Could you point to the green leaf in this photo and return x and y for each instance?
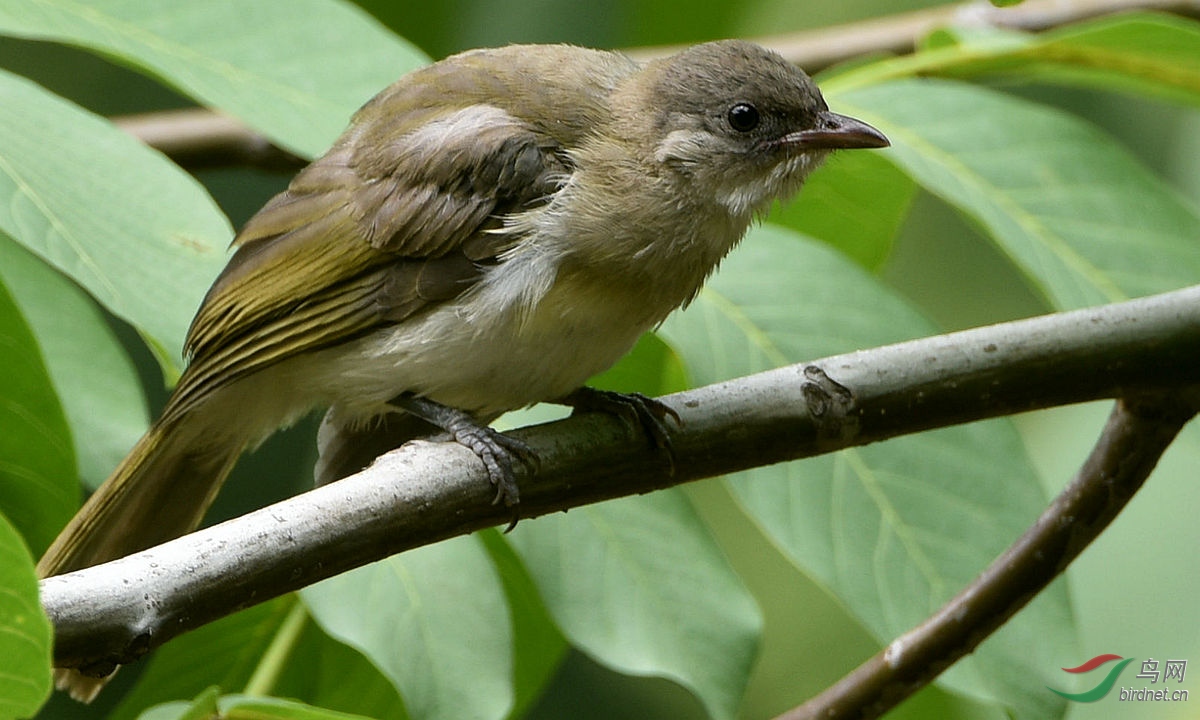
(294, 71)
(241, 707)
(251, 708)
(38, 489)
(856, 203)
(779, 299)
(641, 586)
(264, 648)
(893, 529)
(137, 232)
(96, 381)
(222, 654)
(1138, 53)
(25, 632)
(538, 646)
(326, 673)
(1084, 220)
(202, 707)
(435, 621)
(260, 708)
(650, 368)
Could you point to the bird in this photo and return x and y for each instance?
(489, 232)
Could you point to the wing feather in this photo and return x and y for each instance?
(368, 235)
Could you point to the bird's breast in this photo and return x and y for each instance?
(537, 325)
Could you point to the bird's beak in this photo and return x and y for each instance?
(836, 132)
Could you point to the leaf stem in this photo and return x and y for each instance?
(274, 659)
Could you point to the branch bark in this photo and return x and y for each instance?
(426, 492)
(199, 138)
(1138, 432)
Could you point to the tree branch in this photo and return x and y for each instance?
(198, 138)
(426, 492)
(1138, 432)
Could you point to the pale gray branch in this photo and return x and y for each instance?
(427, 492)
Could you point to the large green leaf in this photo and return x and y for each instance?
(435, 621)
(292, 70)
(641, 586)
(38, 489)
(538, 646)
(96, 381)
(856, 203)
(893, 529)
(1084, 220)
(137, 232)
(650, 368)
(25, 632)
(326, 673)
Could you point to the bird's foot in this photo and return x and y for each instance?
(499, 453)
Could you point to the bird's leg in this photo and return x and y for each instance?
(636, 408)
(498, 452)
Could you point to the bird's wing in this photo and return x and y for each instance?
(402, 213)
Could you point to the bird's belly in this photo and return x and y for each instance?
(489, 361)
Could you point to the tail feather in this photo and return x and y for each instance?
(83, 688)
(160, 491)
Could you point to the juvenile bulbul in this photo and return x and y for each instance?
(490, 231)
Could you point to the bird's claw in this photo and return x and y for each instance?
(500, 455)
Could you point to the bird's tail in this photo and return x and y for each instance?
(160, 491)
(347, 445)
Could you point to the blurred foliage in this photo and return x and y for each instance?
(1027, 174)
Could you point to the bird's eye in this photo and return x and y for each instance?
(743, 117)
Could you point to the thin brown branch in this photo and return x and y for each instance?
(1138, 432)
(426, 492)
(198, 138)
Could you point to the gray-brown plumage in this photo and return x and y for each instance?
(490, 232)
